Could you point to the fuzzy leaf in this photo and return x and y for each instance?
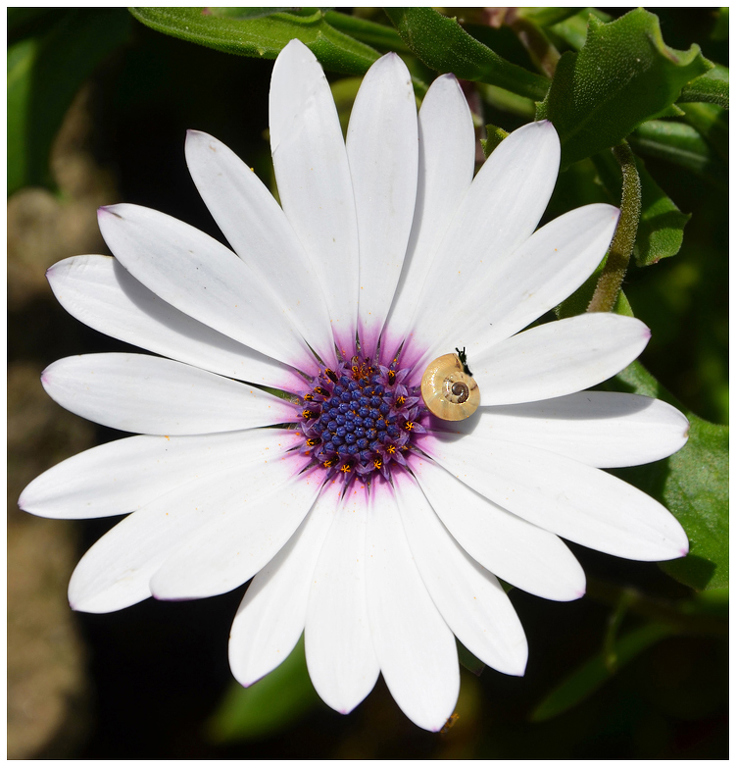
(681, 145)
(494, 137)
(712, 123)
(262, 36)
(623, 75)
(443, 45)
(369, 32)
(713, 87)
(660, 232)
(693, 484)
(546, 16)
(572, 31)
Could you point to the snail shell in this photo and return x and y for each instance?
(448, 391)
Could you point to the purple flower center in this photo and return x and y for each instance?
(360, 418)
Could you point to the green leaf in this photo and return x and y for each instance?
(573, 30)
(21, 58)
(268, 706)
(506, 101)
(44, 75)
(443, 45)
(494, 137)
(623, 75)
(263, 36)
(244, 13)
(369, 32)
(696, 491)
(546, 16)
(681, 145)
(721, 27)
(596, 671)
(382, 36)
(712, 123)
(713, 87)
(468, 660)
(693, 484)
(660, 234)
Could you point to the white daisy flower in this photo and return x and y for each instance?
(366, 522)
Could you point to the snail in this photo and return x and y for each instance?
(448, 388)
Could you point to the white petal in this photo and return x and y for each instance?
(446, 165)
(315, 188)
(271, 616)
(470, 599)
(517, 289)
(122, 476)
(498, 213)
(116, 571)
(201, 277)
(415, 648)
(249, 519)
(153, 395)
(522, 554)
(99, 292)
(578, 502)
(601, 429)
(258, 231)
(338, 645)
(382, 150)
(558, 358)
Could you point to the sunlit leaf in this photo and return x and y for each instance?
(623, 75)
(713, 87)
(547, 16)
(660, 232)
(369, 32)
(682, 145)
(573, 29)
(494, 137)
(382, 36)
(693, 484)
(712, 123)
(263, 36)
(244, 13)
(443, 45)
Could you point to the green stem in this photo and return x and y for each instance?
(623, 244)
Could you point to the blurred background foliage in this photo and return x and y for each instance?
(99, 101)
